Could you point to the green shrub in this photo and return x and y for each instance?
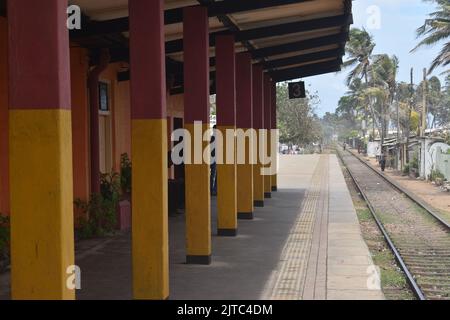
(436, 174)
(101, 209)
(4, 236)
(125, 174)
(415, 163)
(406, 169)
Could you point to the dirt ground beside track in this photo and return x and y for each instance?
(425, 190)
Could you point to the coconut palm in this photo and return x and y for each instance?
(359, 50)
(384, 77)
(436, 29)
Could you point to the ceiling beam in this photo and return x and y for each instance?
(98, 28)
(308, 74)
(270, 31)
(300, 45)
(304, 58)
(122, 53)
(306, 71)
(2, 8)
(236, 6)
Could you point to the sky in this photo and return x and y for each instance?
(393, 24)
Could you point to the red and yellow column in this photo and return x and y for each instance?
(149, 151)
(4, 122)
(42, 239)
(196, 109)
(258, 125)
(274, 138)
(246, 136)
(268, 137)
(226, 124)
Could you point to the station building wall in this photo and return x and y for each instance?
(119, 117)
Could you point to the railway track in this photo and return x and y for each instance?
(419, 239)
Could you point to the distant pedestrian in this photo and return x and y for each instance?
(383, 161)
(345, 146)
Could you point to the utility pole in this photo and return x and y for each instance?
(424, 103)
(398, 136)
(410, 107)
(424, 121)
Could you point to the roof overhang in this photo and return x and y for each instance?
(289, 38)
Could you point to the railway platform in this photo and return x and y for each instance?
(305, 243)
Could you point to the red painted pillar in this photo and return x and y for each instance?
(196, 109)
(149, 150)
(267, 127)
(226, 124)
(4, 121)
(274, 136)
(258, 125)
(246, 135)
(41, 177)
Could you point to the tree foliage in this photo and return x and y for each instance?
(297, 121)
(436, 29)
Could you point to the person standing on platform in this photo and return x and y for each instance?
(213, 178)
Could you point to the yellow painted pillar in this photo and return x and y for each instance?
(150, 243)
(268, 135)
(196, 109)
(245, 134)
(226, 185)
(258, 125)
(42, 239)
(226, 125)
(198, 204)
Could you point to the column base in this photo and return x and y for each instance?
(267, 195)
(227, 232)
(203, 260)
(274, 189)
(259, 203)
(245, 215)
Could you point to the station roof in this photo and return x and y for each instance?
(290, 38)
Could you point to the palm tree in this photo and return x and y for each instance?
(384, 77)
(437, 29)
(359, 50)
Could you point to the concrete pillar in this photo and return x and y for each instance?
(226, 124)
(196, 108)
(4, 122)
(149, 151)
(244, 122)
(42, 239)
(79, 66)
(267, 127)
(258, 125)
(274, 145)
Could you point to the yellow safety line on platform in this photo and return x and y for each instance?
(289, 282)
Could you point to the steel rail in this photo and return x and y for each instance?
(412, 197)
(412, 282)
